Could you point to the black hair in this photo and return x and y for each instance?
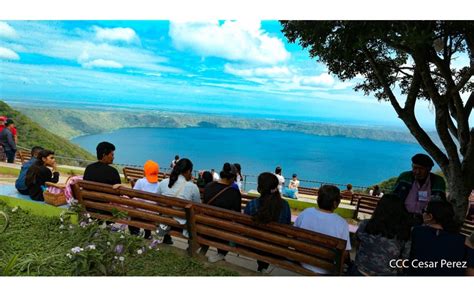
(270, 199)
(36, 150)
(104, 148)
(278, 170)
(176, 157)
(390, 219)
(327, 195)
(8, 122)
(207, 177)
(183, 165)
(226, 172)
(349, 186)
(443, 213)
(294, 176)
(34, 169)
(239, 170)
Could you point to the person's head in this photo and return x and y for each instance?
(183, 167)
(270, 199)
(295, 176)
(46, 157)
(35, 150)
(151, 170)
(421, 166)
(105, 152)
(278, 170)
(176, 157)
(349, 187)
(2, 120)
(9, 123)
(329, 197)
(390, 219)
(229, 172)
(440, 212)
(376, 190)
(207, 177)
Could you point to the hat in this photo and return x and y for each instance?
(3, 118)
(423, 160)
(151, 169)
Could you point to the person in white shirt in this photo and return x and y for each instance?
(179, 185)
(215, 175)
(281, 179)
(149, 184)
(324, 220)
(376, 191)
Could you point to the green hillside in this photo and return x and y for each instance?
(30, 134)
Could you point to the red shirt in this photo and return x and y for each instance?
(13, 131)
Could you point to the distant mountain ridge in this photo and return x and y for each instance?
(32, 134)
(70, 123)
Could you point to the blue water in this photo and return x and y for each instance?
(331, 159)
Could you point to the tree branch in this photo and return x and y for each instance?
(452, 128)
(469, 105)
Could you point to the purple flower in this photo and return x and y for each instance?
(119, 249)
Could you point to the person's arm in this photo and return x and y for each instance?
(287, 214)
(195, 194)
(11, 141)
(116, 177)
(237, 206)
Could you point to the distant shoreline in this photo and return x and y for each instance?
(72, 122)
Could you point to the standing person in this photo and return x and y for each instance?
(281, 179)
(419, 186)
(14, 133)
(39, 173)
(239, 178)
(269, 207)
(438, 241)
(215, 175)
(102, 171)
(20, 183)
(3, 156)
(324, 220)
(149, 183)
(382, 238)
(223, 195)
(180, 185)
(174, 161)
(7, 140)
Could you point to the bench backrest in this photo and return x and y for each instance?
(23, 156)
(468, 227)
(133, 174)
(366, 204)
(308, 191)
(278, 244)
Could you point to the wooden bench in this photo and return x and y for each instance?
(468, 227)
(308, 191)
(133, 174)
(281, 245)
(366, 204)
(22, 156)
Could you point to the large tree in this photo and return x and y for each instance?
(416, 58)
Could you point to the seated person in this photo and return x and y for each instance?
(204, 179)
(149, 183)
(376, 191)
(20, 183)
(324, 220)
(269, 207)
(101, 171)
(39, 173)
(292, 190)
(347, 194)
(224, 195)
(439, 240)
(383, 237)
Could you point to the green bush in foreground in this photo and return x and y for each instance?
(40, 246)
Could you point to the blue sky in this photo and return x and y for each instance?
(226, 67)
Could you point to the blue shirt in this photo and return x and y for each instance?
(285, 213)
(20, 183)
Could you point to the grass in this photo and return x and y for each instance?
(36, 246)
(9, 171)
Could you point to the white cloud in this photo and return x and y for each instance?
(100, 63)
(115, 34)
(8, 54)
(274, 71)
(231, 40)
(324, 79)
(7, 31)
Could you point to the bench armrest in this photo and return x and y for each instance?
(57, 185)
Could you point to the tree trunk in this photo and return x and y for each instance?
(459, 189)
